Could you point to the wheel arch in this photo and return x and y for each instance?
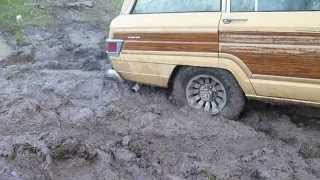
(228, 63)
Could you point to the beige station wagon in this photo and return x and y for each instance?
(215, 53)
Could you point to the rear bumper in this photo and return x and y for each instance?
(114, 75)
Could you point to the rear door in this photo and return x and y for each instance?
(161, 29)
(279, 41)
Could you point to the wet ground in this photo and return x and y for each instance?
(62, 119)
(72, 124)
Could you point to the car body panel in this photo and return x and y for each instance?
(159, 40)
(281, 49)
(162, 64)
(273, 55)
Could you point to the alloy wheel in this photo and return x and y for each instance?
(206, 93)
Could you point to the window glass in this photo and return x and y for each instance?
(176, 6)
(288, 5)
(275, 5)
(242, 5)
(314, 5)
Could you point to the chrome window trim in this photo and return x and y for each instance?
(223, 5)
(228, 6)
(126, 8)
(256, 5)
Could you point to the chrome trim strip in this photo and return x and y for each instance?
(228, 6)
(224, 6)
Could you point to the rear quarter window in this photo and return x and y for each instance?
(175, 6)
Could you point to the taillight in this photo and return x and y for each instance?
(114, 46)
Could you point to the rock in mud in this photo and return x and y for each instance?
(5, 49)
(80, 4)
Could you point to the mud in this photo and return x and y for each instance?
(73, 124)
(4, 48)
(61, 118)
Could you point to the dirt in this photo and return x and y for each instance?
(61, 118)
(73, 124)
(4, 48)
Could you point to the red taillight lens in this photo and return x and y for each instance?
(114, 46)
(111, 47)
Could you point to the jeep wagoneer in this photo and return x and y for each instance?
(215, 53)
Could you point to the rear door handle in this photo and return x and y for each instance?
(230, 20)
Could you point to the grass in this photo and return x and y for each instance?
(29, 12)
(103, 12)
(211, 177)
(117, 4)
(33, 15)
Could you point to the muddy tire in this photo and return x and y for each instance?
(212, 91)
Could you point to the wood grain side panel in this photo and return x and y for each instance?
(183, 42)
(284, 38)
(171, 46)
(177, 37)
(277, 54)
(282, 65)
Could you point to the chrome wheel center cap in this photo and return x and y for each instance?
(207, 93)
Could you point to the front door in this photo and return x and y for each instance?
(279, 41)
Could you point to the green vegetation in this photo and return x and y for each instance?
(117, 4)
(41, 13)
(28, 11)
(102, 13)
(212, 177)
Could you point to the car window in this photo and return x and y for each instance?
(176, 6)
(288, 5)
(242, 5)
(314, 5)
(274, 5)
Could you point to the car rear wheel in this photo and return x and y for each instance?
(212, 91)
(206, 93)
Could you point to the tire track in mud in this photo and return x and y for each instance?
(143, 135)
